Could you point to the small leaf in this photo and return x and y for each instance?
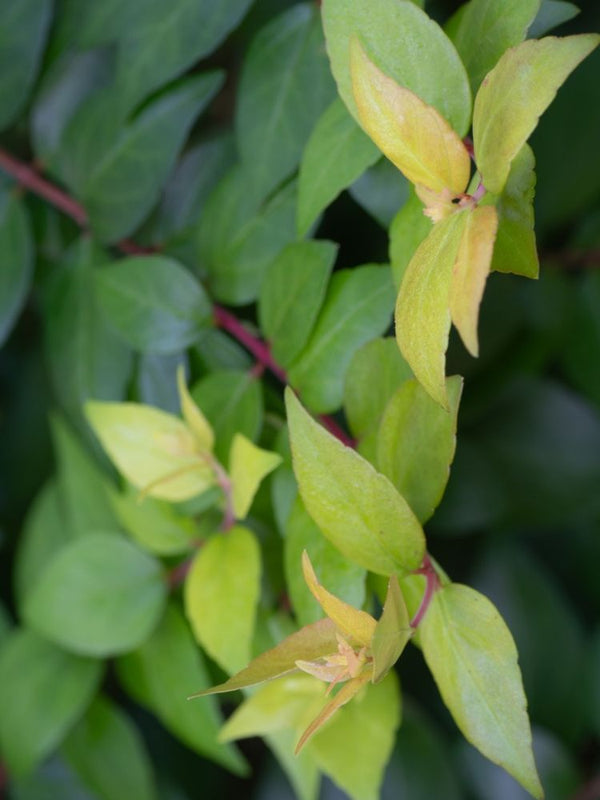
(221, 594)
(422, 309)
(16, 260)
(336, 154)
(357, 509)
(470, 272)
(154, 303)
(194, 418)
(310, 643)
(154, 450)
(248, 466)
(392, 632)
(353, 623)
(515, 94)
(99, 596)
(413, 135)
(473, 658)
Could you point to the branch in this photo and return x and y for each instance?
(432, 585)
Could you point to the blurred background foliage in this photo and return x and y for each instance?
(521, 517)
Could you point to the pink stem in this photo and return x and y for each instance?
(258, 348)
(431, 586)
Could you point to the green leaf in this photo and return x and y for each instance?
(392, 632)
(193, 416)
(25, 24)
(221, 594)
(309, 643)
(381, 191)
(377, 369)
(284, 87)
(162, 673)
(156, 379)
(43, 691)
(552, 13)
(395, 36)
(486, 29)
(412, 134)
(514, 96)
(357, 308)
(357, 762)
(473, 658)
(515, 249)
(336, 154)
(154, 450)
(100, 595)
(233, 403)
(5, 624)
(107, 752)
(154, 303)
(344, 579)
(422, 309)
(16, 259)
(248, 466)
(374, 526)
(292, 295)
(581, 344)
(409, 228)
(416, 440)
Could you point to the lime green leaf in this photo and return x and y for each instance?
(515, 94)
(515, 249)
(471, 268)
(422, 309)
(486, 29)
(336, 154)
(16, 266)
(396, 35)
(473, 658)
(292, 295)
(358, 509)
(552, 13)
(106, 750)
(392, 632)
(154, 450)
(357, 308)
(416, 440)
(162, 673)
(353, 623)
(413, 135)
(43, 691)
(355, 746)
(221, 593)
(248, 466)
(409, 228)
(194, 418)
(99, 596)
(310, 643)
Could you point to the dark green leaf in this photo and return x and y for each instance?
(408, 229)
(381, 191)
(552, 13)
(43, 691)
(16, 259)
(154, 303)
(581, 349)
(100, 595)
(157, 379)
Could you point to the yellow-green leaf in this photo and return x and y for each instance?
(422, 309)
(154, 450)
(473, 658)
(350, 621)
(413, 135)
(515, 94)
(311, 642)
(248, 465)
(195, 419)
(470, 272)
(392, 633)
(221, 595)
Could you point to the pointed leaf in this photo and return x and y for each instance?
(248, 466)
(311, 642)
(194, 418)
(552, 13)
(353, 623)
(473, 658)
(409, 228)
(515, 94)
(154, 450)
(358, 509)
(392, 632)
(471, 268)
(422, 309)
(413, 135)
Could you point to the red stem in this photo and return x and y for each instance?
(258, 348)
(431, 586)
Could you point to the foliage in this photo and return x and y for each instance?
(195, 211)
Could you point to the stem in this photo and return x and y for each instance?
(223, 481)
(258, 348)
(431, 586)
(179, 573)
(590, 791)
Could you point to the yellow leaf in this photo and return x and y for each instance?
(413, 135)
(195, 419)
(470, 272)
(248, 465)
(392, 632)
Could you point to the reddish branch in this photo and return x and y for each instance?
(431, 586)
